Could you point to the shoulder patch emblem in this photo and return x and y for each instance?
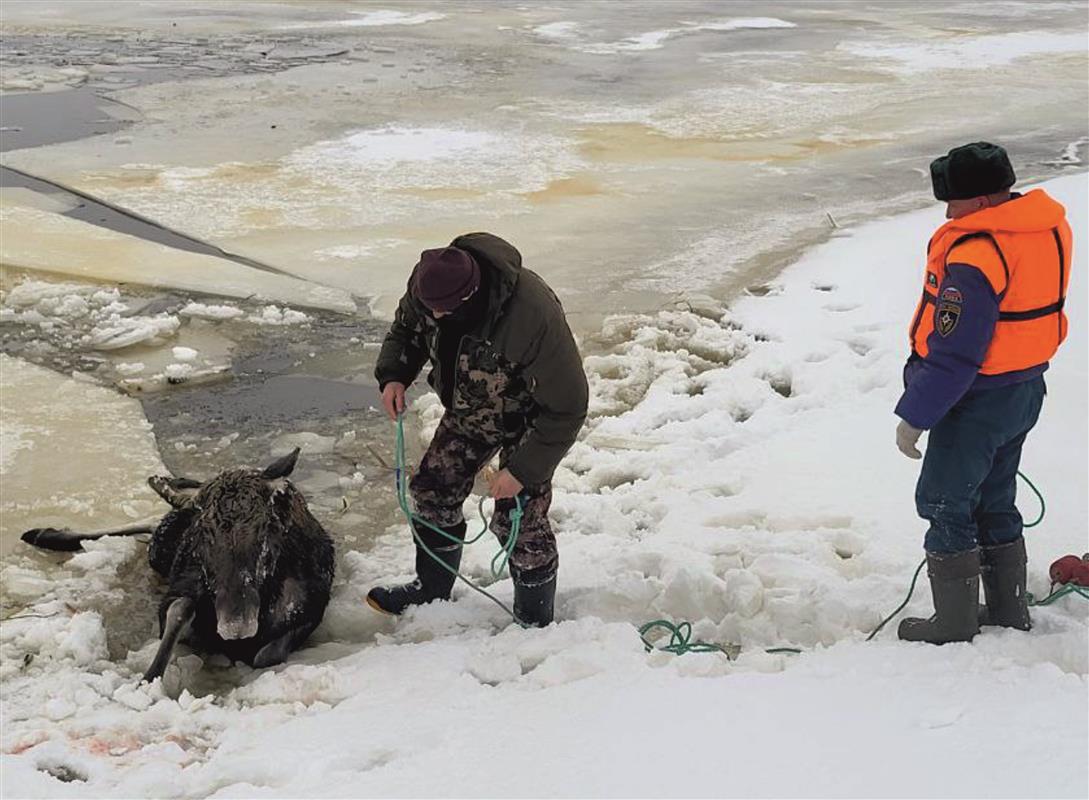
(946, 317)
(932, 280)
(951, 294)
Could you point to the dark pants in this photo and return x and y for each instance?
(968, 483)
(458, 451)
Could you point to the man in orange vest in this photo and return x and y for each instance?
(989, 321)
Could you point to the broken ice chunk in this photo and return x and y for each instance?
(274, 315)
(118, 332)
(177, 373)
(211, 311)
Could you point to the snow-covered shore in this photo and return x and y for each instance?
(738, 471)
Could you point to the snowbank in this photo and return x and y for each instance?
(738, 471)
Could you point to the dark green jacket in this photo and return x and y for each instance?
(519, 375)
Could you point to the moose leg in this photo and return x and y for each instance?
(68, 541)
(178, 619)
(292, 596)
(277, 651)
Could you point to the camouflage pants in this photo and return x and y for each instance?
(444, 481)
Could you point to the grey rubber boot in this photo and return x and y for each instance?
(433, 581)
(1002, 569)
(954, 584)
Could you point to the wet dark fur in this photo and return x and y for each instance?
(241, 513)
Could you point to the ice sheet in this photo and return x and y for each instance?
(372, 19)
(46, 242)
(977, 51)
(654, 40)
(73, 453)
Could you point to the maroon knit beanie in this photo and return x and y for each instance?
(445, 277)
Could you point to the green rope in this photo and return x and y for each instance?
(1039, 496)
(1064, 590)
(680, 639)
(899, 608)
(499, 562)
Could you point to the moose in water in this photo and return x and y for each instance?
(249, 568)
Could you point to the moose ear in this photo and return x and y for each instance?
(281, 467)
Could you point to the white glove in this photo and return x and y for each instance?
(906, 438)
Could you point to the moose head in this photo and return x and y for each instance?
(237, 524)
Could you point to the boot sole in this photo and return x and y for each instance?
(373, 604)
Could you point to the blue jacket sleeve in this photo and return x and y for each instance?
(964, 318)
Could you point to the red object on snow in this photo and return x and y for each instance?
(1071, 569)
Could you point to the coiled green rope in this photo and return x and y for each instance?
(680, 639)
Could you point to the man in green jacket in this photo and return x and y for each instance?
(510, 377)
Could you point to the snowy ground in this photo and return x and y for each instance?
(739, 472)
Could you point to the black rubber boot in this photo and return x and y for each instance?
(534, 602)
(1002, 569)
(433, 581)
(954, 584)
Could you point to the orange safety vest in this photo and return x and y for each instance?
(1023, 247)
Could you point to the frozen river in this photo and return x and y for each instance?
(639, 154)
(633, 151)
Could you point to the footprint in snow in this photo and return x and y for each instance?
(860, 346)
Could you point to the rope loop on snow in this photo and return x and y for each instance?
(680, 639)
